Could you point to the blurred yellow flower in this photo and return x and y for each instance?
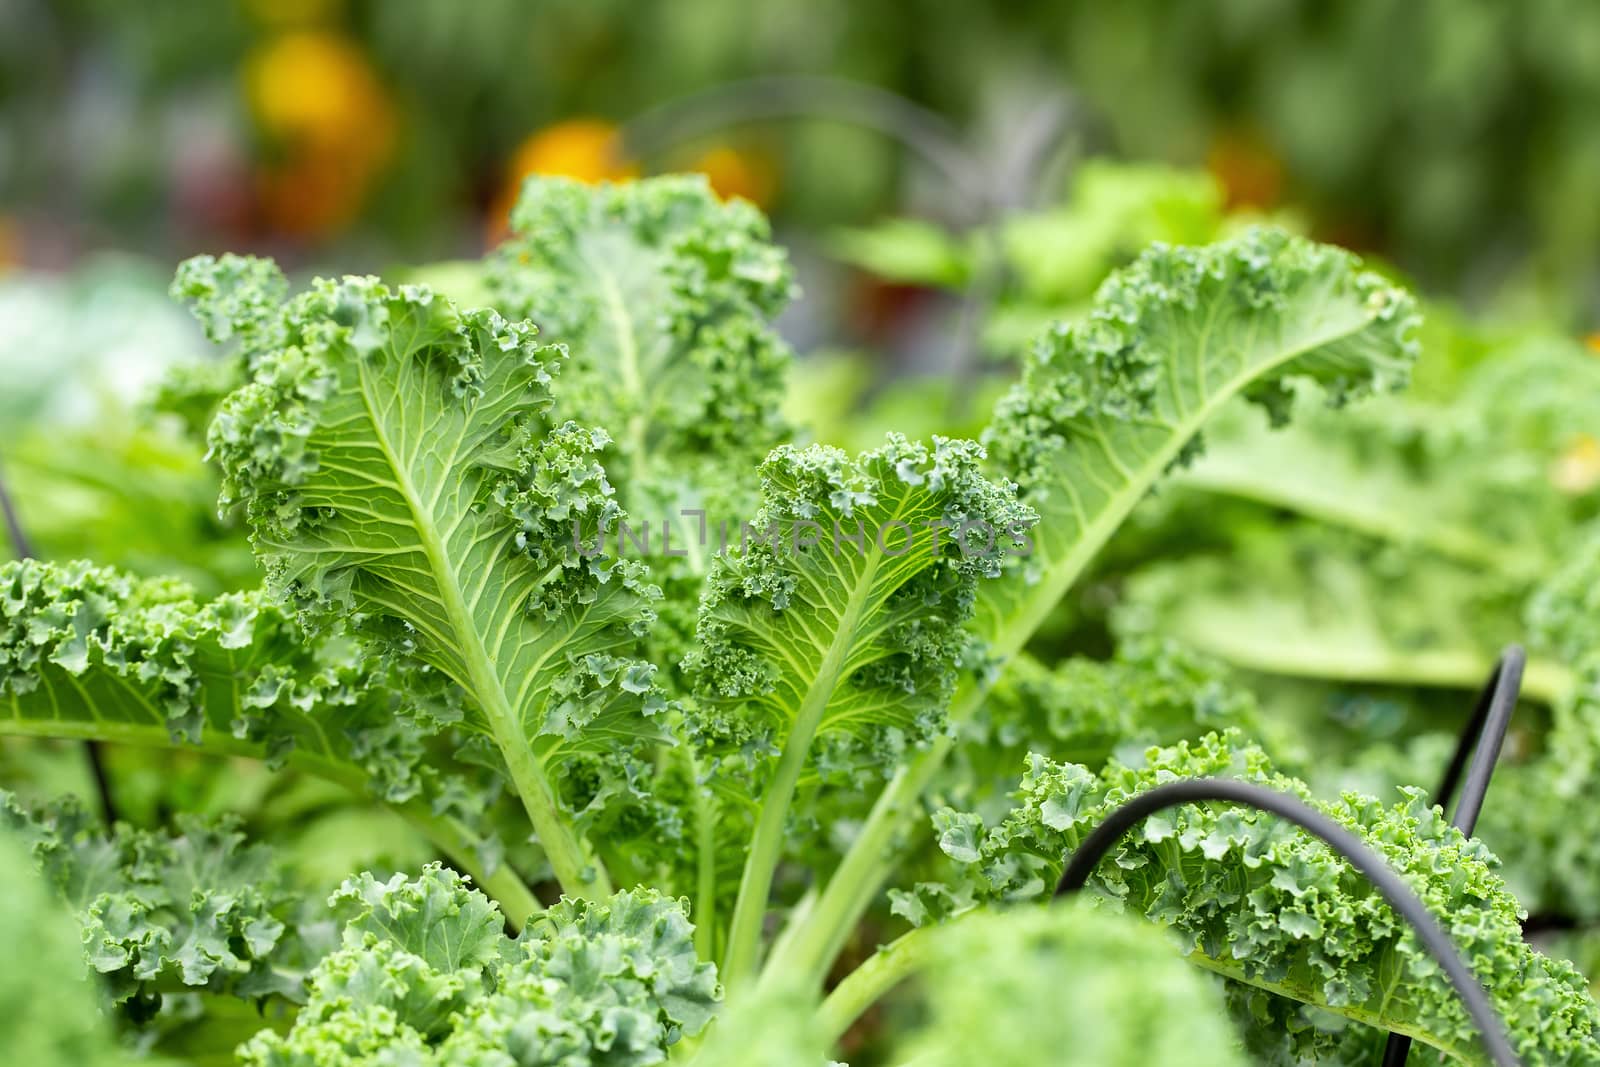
(745, 174)
(330, 125)
(1593, 341)
(1577, 471)
(314, 85)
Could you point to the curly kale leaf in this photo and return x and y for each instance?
(424, 974)
(1067, 985)
(1106, 405)
(840, 621)
(396, 464)
(833, 636)
(1152, 692)
(236, 300)
(664, 295)
(52, 1014)
(94, 653)
(165, 912)
(1257, 900)
(1427, 526)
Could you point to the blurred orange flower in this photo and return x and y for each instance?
(319, 103)
(587, 149)
(738, 173)
(1593, 341)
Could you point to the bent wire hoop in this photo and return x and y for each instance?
(1481, 739)
(925, 133)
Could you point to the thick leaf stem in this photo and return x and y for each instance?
(749, 913)
(868, 983)
(755, 886)
(705, 902)
(579, 872)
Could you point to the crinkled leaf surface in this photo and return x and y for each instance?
(194, 908)
(396, 463)
(425, 977)
(1067, 985)
(91, 652)
(1257, 900)
(1106, 405)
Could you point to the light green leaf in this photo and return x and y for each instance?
(1105, 407)
(425, 978)
(1108, 405)
(1259, 901)
(808, 638)
(195, 908)
(1066, 985)
(89, 652)
(663, 294)
(47, 999)
(395, 463)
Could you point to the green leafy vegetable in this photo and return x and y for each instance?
(199, 908)
(809, 639)
(663, 295)
(1261, 902)
(553, 581)
(424, 972)
(51, 1015)
(1105, 407)
(394, 460)
(1002, 988)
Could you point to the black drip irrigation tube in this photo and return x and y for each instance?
(1481, 741)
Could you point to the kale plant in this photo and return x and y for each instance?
(692, 712)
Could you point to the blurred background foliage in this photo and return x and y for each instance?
(1457, 137)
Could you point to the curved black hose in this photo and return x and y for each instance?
(1481, 739)
(924, 132)
(1399, 895)
(810, 96)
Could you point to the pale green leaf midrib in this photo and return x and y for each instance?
(481, 676)
(1404, 1027)
(1060, 575)
(829, 669)
(574, 870)
(627, 339)
(766, 846)
(1383, 514)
